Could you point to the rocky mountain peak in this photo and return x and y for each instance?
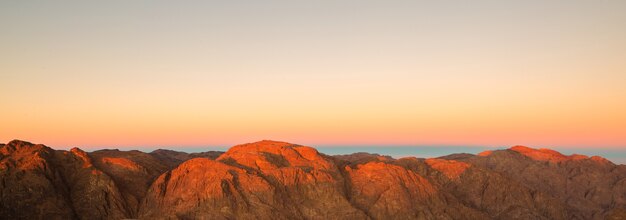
(280, 180)
(544, 154)
(267, 155)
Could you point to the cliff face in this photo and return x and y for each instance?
(590, 187)
(267, 180)
(277, 180)
(133, 171)
(37, 182)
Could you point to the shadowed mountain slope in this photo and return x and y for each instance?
(590, 187)
(278, 180)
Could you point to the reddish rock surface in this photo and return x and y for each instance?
(174, 158)
(37, 182)
(278, 180)
(588, 187)
(133, 171)
(205, 189)
(387, 191)
(450, 168)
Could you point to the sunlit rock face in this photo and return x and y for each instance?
(132, 171)
(38, 182)
(278, 180)
(589, 187)
(172, 158)
(265, 180)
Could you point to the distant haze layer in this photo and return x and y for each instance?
(159, 73)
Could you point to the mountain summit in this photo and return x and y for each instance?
(279, 180)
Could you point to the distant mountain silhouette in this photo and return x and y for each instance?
(278, 180)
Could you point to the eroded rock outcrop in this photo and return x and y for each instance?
(133, 171)
(263, 180)
(278, 180)
(388, 191)
(37, 182)
(174, 158)
(205, 189)
(588, 187)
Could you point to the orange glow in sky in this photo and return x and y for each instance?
(493, 73)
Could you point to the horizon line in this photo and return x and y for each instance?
(169, 146)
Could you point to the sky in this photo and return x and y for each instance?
(102, 74)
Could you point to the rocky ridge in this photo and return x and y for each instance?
(278, 180)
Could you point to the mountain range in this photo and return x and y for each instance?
(279, 180)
